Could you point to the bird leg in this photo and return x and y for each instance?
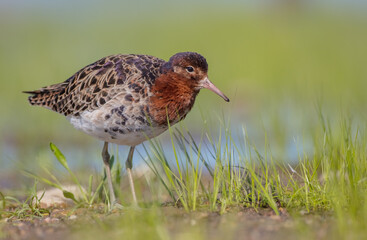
(129, 166)
(106, 161)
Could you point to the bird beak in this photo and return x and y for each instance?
(206, 83)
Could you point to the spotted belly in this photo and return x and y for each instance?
(110, 126)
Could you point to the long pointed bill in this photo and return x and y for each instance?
(209, 85)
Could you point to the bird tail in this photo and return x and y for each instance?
(40, 98)
(47, 96)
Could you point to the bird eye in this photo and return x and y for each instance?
(189, 69)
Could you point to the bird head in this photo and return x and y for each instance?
(193, 68)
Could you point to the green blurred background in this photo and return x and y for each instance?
(276, 60)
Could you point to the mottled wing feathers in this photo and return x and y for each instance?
(99, 82)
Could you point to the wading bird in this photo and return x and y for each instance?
(127, 99)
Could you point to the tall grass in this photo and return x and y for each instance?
(233, 176)
(87, 196)
(331, 179)
(216, 172)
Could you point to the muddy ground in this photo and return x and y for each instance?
(245, 223)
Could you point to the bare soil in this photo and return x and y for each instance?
(238, 223)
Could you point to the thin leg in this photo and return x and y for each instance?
(129, 166)
(106, 161)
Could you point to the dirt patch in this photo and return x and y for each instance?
(236, 223)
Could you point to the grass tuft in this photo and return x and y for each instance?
(28, 209)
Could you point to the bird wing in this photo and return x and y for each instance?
(94, 85)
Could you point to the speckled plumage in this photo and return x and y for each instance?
(94, 85)
(106, 99)
(124, 99)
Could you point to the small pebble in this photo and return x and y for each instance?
(275, 217)
(303, 212)
(47, 220)
(51, 220)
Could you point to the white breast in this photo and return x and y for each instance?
(94, 124)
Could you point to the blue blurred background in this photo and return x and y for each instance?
(278, 61)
